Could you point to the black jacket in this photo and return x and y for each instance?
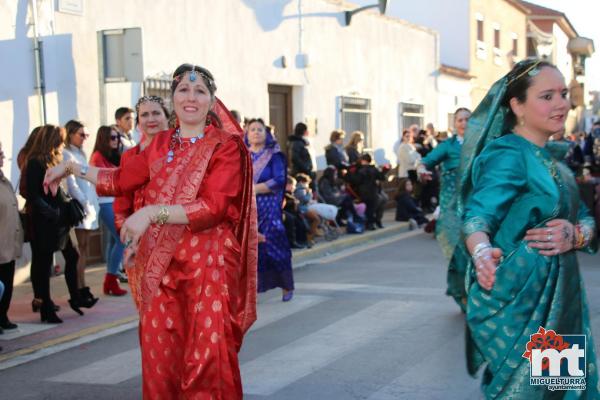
(46, 212)
(353, 155)
(330, 193)
(368, 179)
(299, 155)
(333, 157)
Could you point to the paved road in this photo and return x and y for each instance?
(373, 324)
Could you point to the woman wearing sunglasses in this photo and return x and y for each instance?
(107, 155)
(85, 193)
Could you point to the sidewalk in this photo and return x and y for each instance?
(111, 312)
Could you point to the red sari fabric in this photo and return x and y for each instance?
(123, 207)
(129, 202)
(196, 283)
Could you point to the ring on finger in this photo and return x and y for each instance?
(128, 242)
(550, 237)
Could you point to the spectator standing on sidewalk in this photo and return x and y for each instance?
(367, 183)
(355, 146)
(270, 169)
(334, 152)
(299, 152)
(85, 193)
(107, 155)
(408, 157)
(124, 126)
(11, 233)
(50, 224)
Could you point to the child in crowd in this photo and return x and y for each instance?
(406, 206)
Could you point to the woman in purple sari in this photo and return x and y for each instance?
(270, 168)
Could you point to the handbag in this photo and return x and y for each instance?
(74, 212)
(24, 217)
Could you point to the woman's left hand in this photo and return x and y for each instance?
(134, 227)
(556, 238)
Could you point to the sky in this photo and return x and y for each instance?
(582, 14)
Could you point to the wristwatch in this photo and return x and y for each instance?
(84, 169)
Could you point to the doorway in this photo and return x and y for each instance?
(280, 113)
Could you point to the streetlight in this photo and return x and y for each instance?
(381, 4)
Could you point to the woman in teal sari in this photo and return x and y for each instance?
(523, 221)
(447, 154)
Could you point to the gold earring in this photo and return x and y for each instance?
(521, 121)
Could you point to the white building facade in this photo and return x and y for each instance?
(287, 61)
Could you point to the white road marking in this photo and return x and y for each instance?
(275, 370)
(108, 371)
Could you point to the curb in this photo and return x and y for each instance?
(71, 337)
(302, 257)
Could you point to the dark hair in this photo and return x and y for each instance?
(102, 145)
(208, 79)
(236, 114)
(461, 109)
(329, 174)
(260, 120)
(121, 112)
(366, 157)
(150, 99)
(23, 155)
(519, 80)
(72, 127)
(45, 147)
(302, 178)
(402, 186)
(299, 129)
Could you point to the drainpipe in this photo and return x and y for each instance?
(40, 85)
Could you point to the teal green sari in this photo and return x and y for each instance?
(448, 223)
(506, 186)
(517, 186)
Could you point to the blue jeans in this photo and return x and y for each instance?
(113, 252)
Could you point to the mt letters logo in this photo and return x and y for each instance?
(556, 361)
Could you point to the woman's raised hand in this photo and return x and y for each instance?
(556, 238)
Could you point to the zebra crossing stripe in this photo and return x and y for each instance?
(266, 375)
(108, 371)
(275, 310)
(450, 382)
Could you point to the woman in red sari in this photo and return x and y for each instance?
(194, 241)
(152, 117)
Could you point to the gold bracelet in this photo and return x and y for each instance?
(69, 169)
(162, 216)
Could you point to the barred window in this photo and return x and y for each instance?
(411, 113)
(356, 116)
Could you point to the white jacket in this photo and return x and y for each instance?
(408, 159)
(82, 190)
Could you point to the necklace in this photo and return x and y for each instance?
(177, 140)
